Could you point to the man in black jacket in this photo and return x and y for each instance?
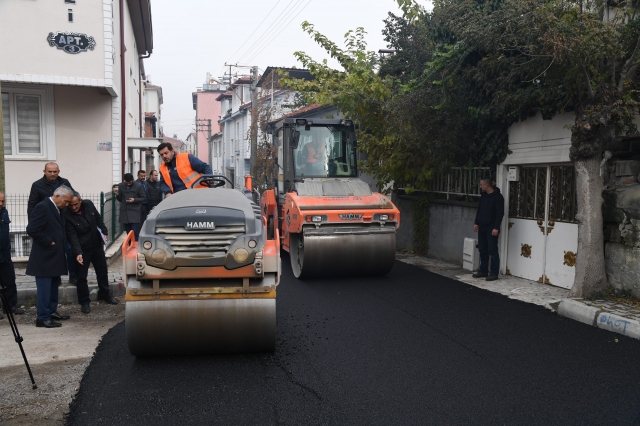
(41, 190)
(47, 260)
(85, 230)
(153, 189)
(7, 271)
(144, 211)
(487, 225)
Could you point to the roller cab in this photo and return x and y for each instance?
(330, 221)
(202, 277)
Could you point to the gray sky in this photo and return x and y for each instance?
(193, 37)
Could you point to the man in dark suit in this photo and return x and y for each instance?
(47, 261)
(145, 205)
(154, 192)
(86, 232)
(131, 196)
(41, 190)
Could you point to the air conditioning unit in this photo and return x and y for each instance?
(470, 255)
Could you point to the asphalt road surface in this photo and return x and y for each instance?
(409, 348)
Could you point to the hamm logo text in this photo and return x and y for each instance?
(200, 225)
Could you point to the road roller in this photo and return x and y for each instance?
(202, 276)
(330, 221)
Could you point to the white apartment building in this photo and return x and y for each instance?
(70, 76)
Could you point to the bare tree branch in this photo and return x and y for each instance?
(624, 74)
(588, 81)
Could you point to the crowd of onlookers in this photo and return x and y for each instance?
(68, 236)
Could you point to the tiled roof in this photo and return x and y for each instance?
(300, 111)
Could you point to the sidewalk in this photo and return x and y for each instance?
(617, 317)
(67, 292)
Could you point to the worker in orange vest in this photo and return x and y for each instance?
(314, 155)
(179, 170)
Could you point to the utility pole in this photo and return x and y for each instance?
(203, 125)
(2, 188)
(254, 118)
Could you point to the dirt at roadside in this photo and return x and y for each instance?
(57, 379)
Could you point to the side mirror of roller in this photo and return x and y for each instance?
(295, 138)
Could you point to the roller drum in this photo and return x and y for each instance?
(190, 327)
(342, 254)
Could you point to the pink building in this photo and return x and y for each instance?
(207, 115)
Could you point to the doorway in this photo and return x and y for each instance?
(542, 228)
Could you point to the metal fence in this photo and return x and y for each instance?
(459, 181)
(17, 206)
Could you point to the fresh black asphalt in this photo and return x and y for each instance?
(411, 348)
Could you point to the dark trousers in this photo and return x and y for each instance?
(488, 247)
(8, 281)
(71, 261)
(99, 262)
(144, 212)
(135, 227)
(47, 296)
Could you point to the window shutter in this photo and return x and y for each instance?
(28, 119)
(6, 124)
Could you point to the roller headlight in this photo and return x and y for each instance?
(384, 217)
(159, 256)
(240, 255)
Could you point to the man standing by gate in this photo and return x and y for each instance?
(487, 225)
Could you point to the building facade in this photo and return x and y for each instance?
(71, 92)
(208, 114)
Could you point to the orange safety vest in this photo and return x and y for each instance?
(185, 172)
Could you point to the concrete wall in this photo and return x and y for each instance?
(450, 223)
(82, 118)
(24, 30)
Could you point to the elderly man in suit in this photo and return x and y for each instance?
(47, 259)
(131, 196)
(86, 232)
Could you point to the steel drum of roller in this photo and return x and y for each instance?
(191, 327)
(342, 253)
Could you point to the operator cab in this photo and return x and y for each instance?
(314, 149)
(324, 151)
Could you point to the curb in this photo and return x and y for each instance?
(68, 294)
(586, 314)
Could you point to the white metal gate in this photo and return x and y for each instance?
(543, 233)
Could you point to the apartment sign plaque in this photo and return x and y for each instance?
(71, 42)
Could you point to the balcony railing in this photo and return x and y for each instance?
(458, 181)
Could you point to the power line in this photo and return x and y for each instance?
(280, 32)
(254, 31)
(268, 28)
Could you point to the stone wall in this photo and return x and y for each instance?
(621, 214)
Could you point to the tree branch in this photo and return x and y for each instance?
(624, 74)
(588, 81)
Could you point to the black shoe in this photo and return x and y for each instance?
(17, 311)
(57, 316)
(109, 299)
(479, 274)
(85, 308)
(492, 277)
(48, 324)
(73, 280)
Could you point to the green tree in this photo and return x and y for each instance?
(555, 56)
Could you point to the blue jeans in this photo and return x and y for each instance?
(47, 296)
(488, 247)
(135, 227)
(71, 261)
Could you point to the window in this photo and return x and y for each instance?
(26, 113)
